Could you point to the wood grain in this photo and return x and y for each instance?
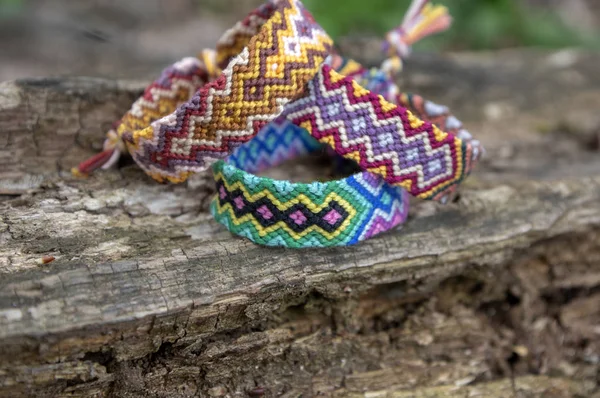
(147, 296)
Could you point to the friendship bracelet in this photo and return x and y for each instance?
(281, 213)
(253, 206)
(169, 91)
(432, 168)
(237, 210)
(269, 72)
(266, 150)
(175, 85)
(276, 143)
(181, 161)
(383, 138)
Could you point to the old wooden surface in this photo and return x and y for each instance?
(495, 294)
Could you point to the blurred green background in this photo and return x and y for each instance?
(478, 24)
(137, 38)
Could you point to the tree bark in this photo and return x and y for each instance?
(497, 294)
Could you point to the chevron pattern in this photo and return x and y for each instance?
(383, 138)
(251, 92)
(233, 41)
(274, 144)
(175, 86)
(440, 116)
(280, 213)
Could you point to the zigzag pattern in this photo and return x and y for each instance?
(381, 137)
(176, 85)
(251, 92)
(235, 39)
(274, 144)
(434, 113)
(280, 213)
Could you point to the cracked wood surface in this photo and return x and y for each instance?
(144, 280)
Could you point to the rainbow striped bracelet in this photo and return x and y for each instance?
(280, 213)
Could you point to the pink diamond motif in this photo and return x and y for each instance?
(265, 212)
(222, 193)
(239, 202)
(378, 228)
(332, 217)
(298, 217)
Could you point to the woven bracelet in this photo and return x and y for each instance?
(280, 213)
(175, 85)
(269, 72)
(262, 209)
(259, 209)
(382, 137)
(167, 147)
(361, 115)
(279, 49)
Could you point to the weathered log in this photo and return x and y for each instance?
(495, 294)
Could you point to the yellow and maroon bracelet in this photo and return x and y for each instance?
(271, 70)
(280, 46)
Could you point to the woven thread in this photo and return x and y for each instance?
(252, 90)
(281, 213)
(383, 138)
(276, 143)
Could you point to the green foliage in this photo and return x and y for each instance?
(9, 8)
(478, 24)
